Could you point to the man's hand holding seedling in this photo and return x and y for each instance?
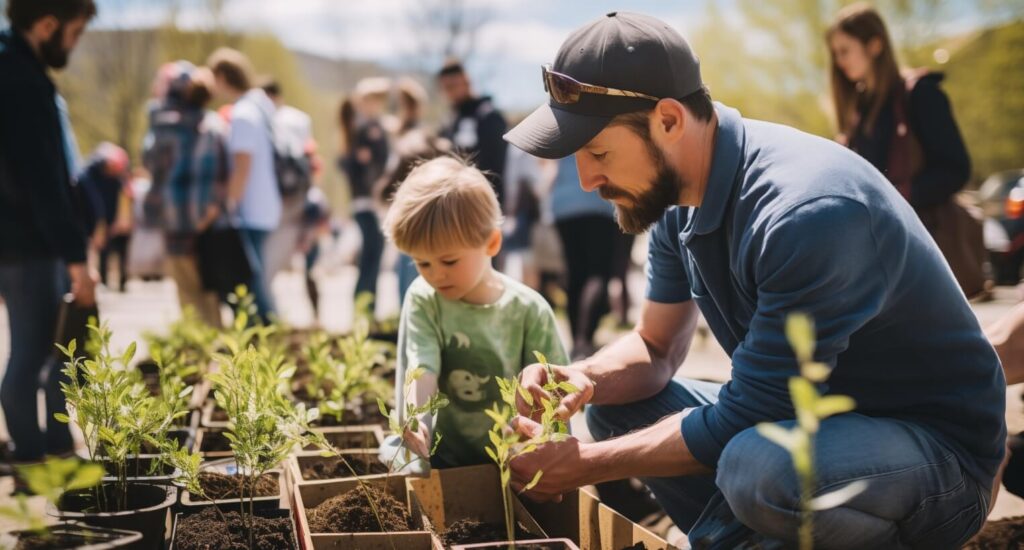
(572, 387)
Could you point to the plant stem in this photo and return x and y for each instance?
(806, 532)
(506, 498)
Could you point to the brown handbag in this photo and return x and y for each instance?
(956, 225)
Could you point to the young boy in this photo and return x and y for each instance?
(463, 322)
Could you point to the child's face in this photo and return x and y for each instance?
(459, 273)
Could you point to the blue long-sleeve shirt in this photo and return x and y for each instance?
(791, 222)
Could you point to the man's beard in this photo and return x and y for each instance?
(647, 208)
(52, 51)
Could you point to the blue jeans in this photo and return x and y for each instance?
(373, 249)
(32, 291)
(917, 495)
(407, 273)
(254, 241)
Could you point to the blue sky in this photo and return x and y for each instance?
(516, 39)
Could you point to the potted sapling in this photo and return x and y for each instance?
(116, 415)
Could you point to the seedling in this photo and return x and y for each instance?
(113, 409)
(811, 408)
(401, 423)
(337, 384)
(263, 423)
(506, 442)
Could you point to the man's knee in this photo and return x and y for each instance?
(758, 481)
(600, 421)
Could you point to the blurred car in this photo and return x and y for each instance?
(1001, 197)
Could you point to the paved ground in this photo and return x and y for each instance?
(151, 306)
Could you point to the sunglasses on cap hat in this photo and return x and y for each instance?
(567, 90)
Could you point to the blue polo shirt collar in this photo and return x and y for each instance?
(725, 162)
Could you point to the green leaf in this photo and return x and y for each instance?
(88, 475)
(495, 439)
(533, 482)
(525, 395)
(838, 497)
(540, 357)
(128, 354)
(61, 417)
(414, 375)
(490, 453)
(803, 393)
(800, 333)
(778, 435)
(567, 387)
(833, 404)
(815, 372)
(382, 406)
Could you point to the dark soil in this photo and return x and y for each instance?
(470, 531)
(334, 468)
(1005, 534)
(219, 486)
(637, 546)
(214, 441)
(351, 513)
(205, 531)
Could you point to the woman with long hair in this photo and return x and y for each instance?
(902, 123)
(363, 158)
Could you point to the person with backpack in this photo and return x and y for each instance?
(902, 123)
(185, 153)
(253, 195)
(293, 142)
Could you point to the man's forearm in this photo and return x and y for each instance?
(625, 371)
(656, 451)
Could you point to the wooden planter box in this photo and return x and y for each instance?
(566, 544)
(191, 505)
(301, 460)
(206, 434)
(311, 493)
(469, 492)
(352, 437)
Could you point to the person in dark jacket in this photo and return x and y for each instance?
(41, 240)
(476, 127)
(363, 159)
(105, 178)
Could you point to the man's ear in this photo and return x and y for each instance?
(668, 122)
(494, 243)
(44, 27)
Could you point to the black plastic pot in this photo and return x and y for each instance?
(270, 513)
(163, 475)
(146, 511)
(191, 504)
(74, 536)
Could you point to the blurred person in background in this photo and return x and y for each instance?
(293, 138)
(253, 196)
(363, 159)
(523, 181)
(413, 144)
(903, 124)
(42, 242)
(476, 125)
(185, 151)
(105, 178)
(586, 227)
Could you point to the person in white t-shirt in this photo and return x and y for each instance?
(253, 195)
(293, 135)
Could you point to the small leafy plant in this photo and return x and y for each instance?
(264, 425)
(188, 344)
(811, 408)
(50, 480)
(340, 383)
(408, 421)
(115, 412)
(506, 442)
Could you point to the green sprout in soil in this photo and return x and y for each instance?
(506, 442)
(811, 408)
(404, 423)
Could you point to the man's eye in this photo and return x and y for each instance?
(598, 156)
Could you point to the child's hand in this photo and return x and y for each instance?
(418, 441)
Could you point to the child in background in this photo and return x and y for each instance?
(463, 322)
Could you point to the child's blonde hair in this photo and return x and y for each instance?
(443, 203)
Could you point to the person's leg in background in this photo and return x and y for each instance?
(369, 257)
(622, 252)
(104, 254)
(600, 231)
(311, 288)
(572, 238)
(32, 291)
(119, 244)
(184, 270)
(254, 240)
